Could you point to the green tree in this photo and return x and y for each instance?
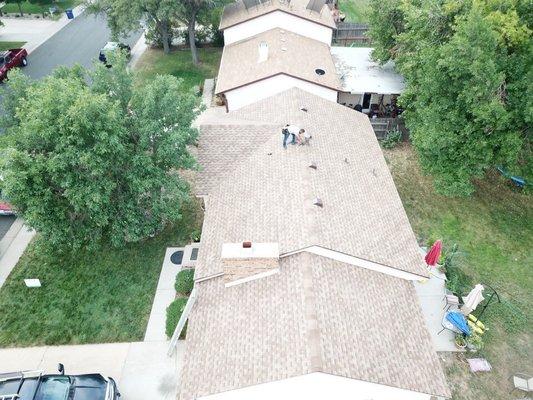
(99, 161)
(467, 66)
(124, 16)
(188, 13)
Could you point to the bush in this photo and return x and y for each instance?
(185, 281)
(174, 311)
(392, 139)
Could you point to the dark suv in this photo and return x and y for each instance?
(34, 385)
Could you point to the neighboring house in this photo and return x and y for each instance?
(271, 62)
(322, 305)
(244, 19)
(365, 82)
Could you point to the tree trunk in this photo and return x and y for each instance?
(163, 30)
(192, 39)
(20, 9)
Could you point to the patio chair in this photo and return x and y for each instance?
(522, 382)
(451, 300)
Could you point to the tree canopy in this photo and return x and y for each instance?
(98, 161)
(162, 15)
(468, 68)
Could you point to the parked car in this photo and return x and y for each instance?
(34, 385)
(111, 47)
(5, 208)
(11, 59)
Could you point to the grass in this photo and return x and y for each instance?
(29, 8)
(494, 232)
(94, 297)
(179, 64)
(355, 10)
(11, 45)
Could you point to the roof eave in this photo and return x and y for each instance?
(222, 27)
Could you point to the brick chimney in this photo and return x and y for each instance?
(247, 261)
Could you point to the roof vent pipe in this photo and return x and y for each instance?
(318, 202)
(263, 52)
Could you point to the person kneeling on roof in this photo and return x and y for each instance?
(292, 130)
(303, 137)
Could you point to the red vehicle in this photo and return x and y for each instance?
(10, 59)
(5, 208)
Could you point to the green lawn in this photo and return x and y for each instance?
(11, 45)
(29, 8)
(179, 64)
(355, 10)
(93, 297)
(494, 231)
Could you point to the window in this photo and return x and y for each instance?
(54, 388)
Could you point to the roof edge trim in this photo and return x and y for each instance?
(337, 89)
(358, 262)
(221, 28)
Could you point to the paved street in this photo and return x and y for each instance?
(5, 224)
(78, 42)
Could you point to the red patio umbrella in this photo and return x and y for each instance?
(433, 254)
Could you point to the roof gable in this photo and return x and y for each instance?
(316, 315)
(288, 53)
(237, 13)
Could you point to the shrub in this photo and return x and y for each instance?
(185, 281)
(174, 311)
(392, 139)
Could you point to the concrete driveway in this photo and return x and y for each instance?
(142, 369)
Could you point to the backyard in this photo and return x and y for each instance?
(355, 10)
(494, 231)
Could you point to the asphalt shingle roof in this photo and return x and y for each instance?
(315, 315)
(236, 13)
(267, 192)
(288, 53)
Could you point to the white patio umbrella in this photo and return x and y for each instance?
(472, 300)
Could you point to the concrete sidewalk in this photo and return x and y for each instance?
(13, 246)
(34, 31)
(142, 369)
(431, 297)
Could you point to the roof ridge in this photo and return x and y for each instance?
(311, 318)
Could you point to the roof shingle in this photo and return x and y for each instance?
(288, 53)
(267, 192)
(368, 326)
(236, 13)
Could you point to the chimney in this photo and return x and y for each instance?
(247, 261)
(263, 52)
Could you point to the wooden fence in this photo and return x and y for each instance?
(383, 125)
(349, 33)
